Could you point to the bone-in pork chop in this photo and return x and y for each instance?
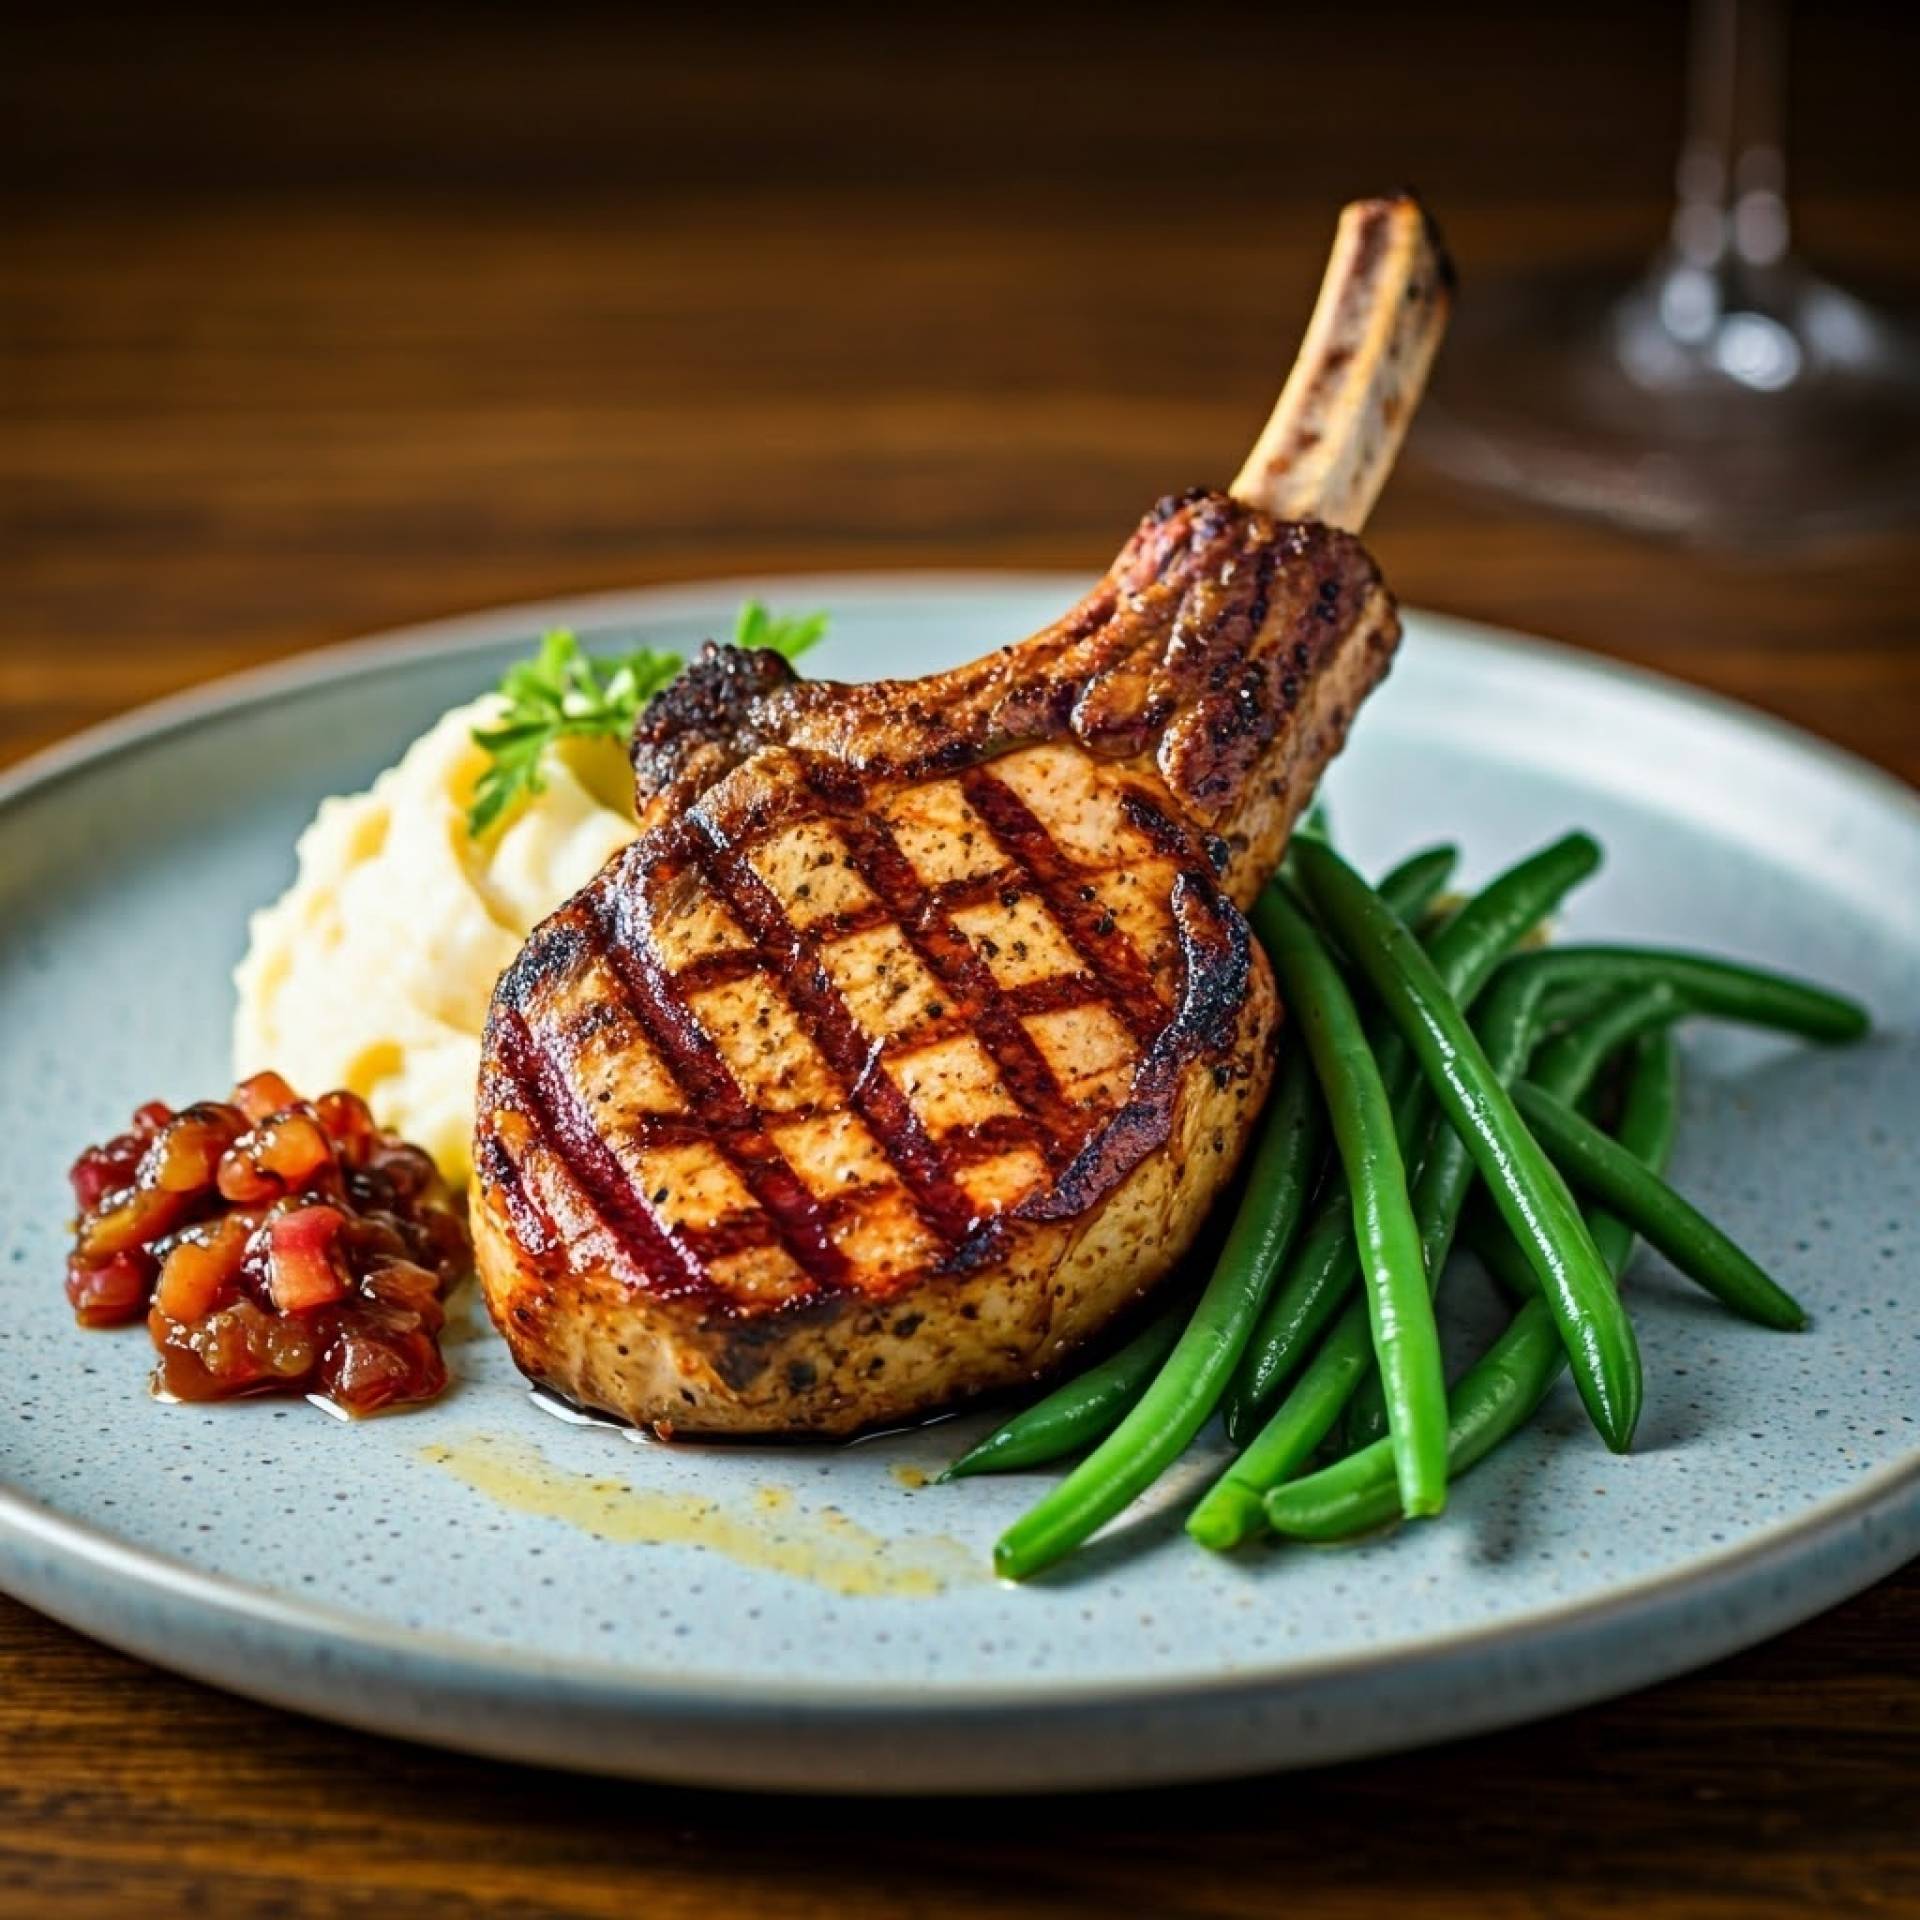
(916, 1035)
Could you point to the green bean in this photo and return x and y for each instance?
(1325, 1264)
(1446, 1177)
(1649, 1112)
(1706, 985)
(1571, 1003)
(1188, 1386)
(1645, 1201)
(1466, 950)
(1405, 1340)
(1531, 1195)
(1658, 985)
(1234, 1505)
(1506, 1030)
(1081, 1410)
(1508, 908)
(1570, 1063)
(1409, 888)
(1569, 980)
(1323, 1270)
(1497, 1250)
(1233, 1509)
(1649, 1115)
(1492, 1398)
(1500, 1392)
(1567, 1066)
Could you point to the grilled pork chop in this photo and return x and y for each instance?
(918, 1032)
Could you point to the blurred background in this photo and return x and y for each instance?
(314, 321)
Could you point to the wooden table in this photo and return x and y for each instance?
(309, 327)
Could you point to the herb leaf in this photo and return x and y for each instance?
(562, 692)
(788, 635)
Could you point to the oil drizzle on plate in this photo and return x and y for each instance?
(769, 1530)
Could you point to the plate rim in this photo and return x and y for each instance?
(1885, 1491)
(84, 1548)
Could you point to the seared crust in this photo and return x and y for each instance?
(703, 724)
(1224, 655)
(919, 1031)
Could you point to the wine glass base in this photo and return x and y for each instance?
(1573, 392)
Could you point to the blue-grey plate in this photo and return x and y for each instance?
(480, 1574)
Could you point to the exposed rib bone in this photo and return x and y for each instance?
(1327, 449)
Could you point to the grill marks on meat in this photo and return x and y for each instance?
(904, 985)
(937, 1059)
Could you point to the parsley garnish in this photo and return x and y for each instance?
(562, 691)
(788, 635)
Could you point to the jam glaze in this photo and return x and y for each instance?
(273, 1245)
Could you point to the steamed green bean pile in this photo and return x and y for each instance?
(1444, 1076)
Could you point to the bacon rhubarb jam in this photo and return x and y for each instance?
(274, 1245)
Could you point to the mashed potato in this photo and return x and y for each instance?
(374, 970)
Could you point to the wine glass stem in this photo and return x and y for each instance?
(1732, 177)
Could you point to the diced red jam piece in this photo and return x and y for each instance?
(110, 1292)
(349, 1125)
(100, 1171)
(288, 1152)
(202, 1269)
(243, 1181)
(239, 1349)
(275, 1246)
(293, 1148)
(301, 1272)
(134, 1217)
(185, 1154)
(376, 1235)
(408, 1169)
(262, 1095)
(377, 1362)
(399, 1283)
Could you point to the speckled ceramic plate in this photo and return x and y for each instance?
(817, 1617)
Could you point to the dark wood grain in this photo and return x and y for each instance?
(1782, 1782)
(313, 324)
